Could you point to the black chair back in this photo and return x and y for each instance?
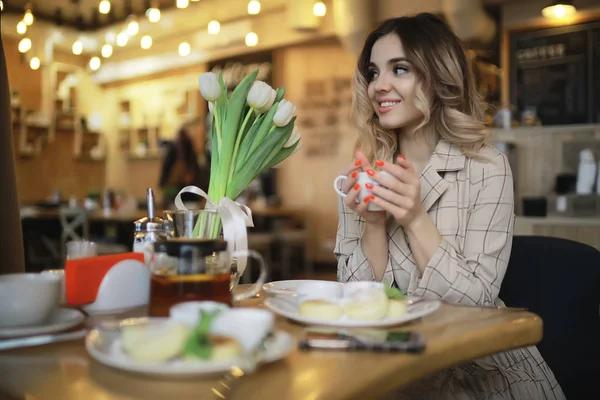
(559, 280)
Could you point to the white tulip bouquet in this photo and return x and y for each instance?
(252, 131)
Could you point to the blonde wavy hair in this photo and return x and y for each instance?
(445, 94)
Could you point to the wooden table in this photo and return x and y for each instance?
(454, 334)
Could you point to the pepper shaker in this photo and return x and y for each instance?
(149, 229)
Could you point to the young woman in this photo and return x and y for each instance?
(187, 162)
(447, 225)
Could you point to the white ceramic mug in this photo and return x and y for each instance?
(363, 179)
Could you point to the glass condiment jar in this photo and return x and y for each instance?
(148, 230)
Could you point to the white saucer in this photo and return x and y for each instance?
(60, 320)
(104, 345)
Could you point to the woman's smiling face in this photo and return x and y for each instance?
(392, 85)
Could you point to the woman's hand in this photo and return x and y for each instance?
(400, 193)
(352, 188)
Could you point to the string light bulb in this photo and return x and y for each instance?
(122, 39)
(34, 63)
(104, 7)
(183, 3)
(133, 28)
(146, 42)
(28, 17)
(153, 14)
(95, 63)
(1, 5)
(319, 9)
(107, 50)
(214, 27)
(77, 47)
(251, 39)
(24, 45)
(253, 7)
(184, 49)
(21, 28)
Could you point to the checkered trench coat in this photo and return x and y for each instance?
(472, 204)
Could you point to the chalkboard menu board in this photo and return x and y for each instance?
(555, 74)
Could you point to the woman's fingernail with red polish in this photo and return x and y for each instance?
(370, 172)
(369, 185)
(379, 163)
(366, 200)
(401, 157)
(357, 186)
(357, 162)
(354, 174)
(372, 197)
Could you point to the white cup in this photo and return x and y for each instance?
(363, 179)
(28, 299)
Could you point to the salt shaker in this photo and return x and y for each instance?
(149, 229)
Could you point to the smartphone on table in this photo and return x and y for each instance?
(362, 339)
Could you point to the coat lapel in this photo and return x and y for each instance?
(445, 157)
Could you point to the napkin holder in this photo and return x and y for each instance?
(107, 284)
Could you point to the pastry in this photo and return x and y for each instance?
(224, 347)
(366, 304)
(320, 309)
(396, 308)
(151, 343)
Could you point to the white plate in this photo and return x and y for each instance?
(104, 346)
(291, 287)
(289, 309)
(60, 320)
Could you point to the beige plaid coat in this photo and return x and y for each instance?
(472, 204)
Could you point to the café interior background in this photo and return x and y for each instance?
(95, 95)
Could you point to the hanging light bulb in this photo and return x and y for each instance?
(104, 7)
(1, 5)
(133, 28)
(34, 64)
(25, 45)
(319, 9)
(214, 27)
(251, 39)
(183, 3)
(122, 39)
(77, 47)
(95, 63)
(107, 50)
(146, 42)
(559, 9)
(253, 7)
(28, 17)
(184, 49)
(21, 28)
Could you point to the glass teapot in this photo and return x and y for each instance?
(184, 269)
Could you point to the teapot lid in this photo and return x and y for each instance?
(205, 247)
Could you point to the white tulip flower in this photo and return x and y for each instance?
(269, 104)
(209, 86)
(261, 96)
(285, 112)
(294, 137)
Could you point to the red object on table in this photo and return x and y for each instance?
(83, 276)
